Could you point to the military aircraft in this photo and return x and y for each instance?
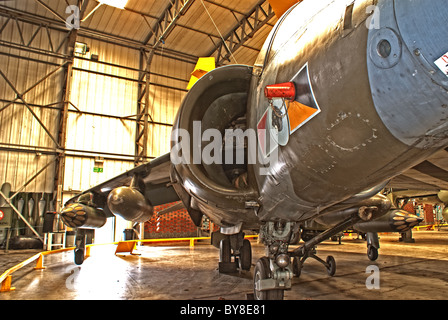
(344, 96)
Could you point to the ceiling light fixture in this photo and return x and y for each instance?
(81, 48)
(115, 3)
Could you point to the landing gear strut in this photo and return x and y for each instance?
(273, 273)
(373, 244)
(80, 249)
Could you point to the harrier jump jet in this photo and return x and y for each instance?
(344, 96)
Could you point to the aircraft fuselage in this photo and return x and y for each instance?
(368, 105)
(372, 107)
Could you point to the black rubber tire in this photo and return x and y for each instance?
(262, 271)
(296, 268)
(331, 270)
(225, 251)
(372, 253)
(246, 255)
(79, 256)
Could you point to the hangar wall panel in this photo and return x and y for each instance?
(105, 95)
(165, 99)
(80, 175)
(21, 133)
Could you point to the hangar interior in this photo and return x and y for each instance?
(90, 89)
(84, 103)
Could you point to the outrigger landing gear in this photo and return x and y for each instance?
(80, 241)
(373, 244)
(297, 263)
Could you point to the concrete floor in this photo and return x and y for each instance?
(406, 272)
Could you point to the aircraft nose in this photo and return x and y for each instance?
(407, 51)
(421, 25)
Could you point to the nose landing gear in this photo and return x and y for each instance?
(273, 273)
(264, 282)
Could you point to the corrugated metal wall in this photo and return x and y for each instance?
(20, 132)
(165, 100)
(106, 96)
(101, 121)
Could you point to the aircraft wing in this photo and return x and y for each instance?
(155, 176)
(430, 175)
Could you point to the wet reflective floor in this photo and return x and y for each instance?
(403, 271)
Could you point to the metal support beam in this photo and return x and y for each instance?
(63, 115)
(20, 96)
(167, 21)
(53, 24)
(158, 34)
(57, 15)
(242, 32)
(142, 116)
(62, 136)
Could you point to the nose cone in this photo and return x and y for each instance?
(410, 90)
(422, 25)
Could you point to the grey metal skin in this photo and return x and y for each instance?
(347, 148)
(382, 102)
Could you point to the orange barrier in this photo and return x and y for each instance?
(6, 277)
(430, 227)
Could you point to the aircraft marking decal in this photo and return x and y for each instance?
(299, 111)
(304, 107)
(265, 134)
(261, 131)
(442, 63)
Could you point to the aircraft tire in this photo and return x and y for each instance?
(225, 251)
(246, 255)
(261, 272)
(331, 269)
(296, 268)
(372, 253)
(79, 256)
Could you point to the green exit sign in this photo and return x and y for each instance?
(97, 169)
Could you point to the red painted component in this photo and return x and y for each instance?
(281, 90)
